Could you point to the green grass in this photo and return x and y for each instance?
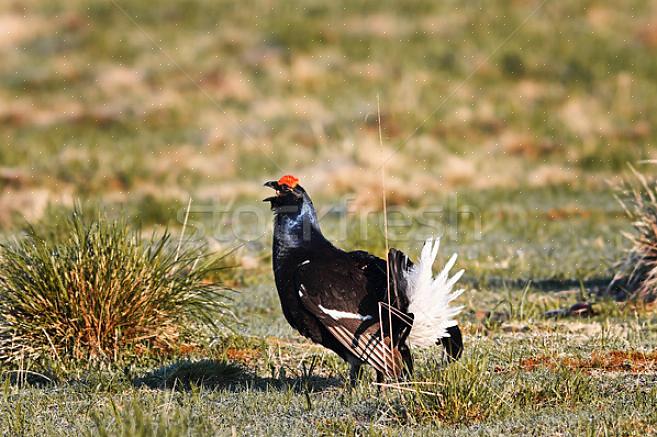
(268, 380)
(279, 390)
(470, 392)
(503, 123)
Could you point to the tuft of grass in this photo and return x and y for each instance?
(458, 394)
(473, 391)
(92, 288)
(637, 273)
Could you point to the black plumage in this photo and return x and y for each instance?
(339, 299)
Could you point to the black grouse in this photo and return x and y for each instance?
(344, 300)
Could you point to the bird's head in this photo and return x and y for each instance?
(289, 194)
(296, 222)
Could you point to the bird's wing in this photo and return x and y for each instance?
(377, 272)
(340, 294)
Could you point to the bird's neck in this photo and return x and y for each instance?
(297, 228)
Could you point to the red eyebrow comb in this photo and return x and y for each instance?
(288, 180)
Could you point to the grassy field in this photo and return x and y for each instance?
(503, 123)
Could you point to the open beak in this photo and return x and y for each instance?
(275, 186)
(281, 190)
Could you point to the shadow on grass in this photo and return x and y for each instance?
(596, 286)
(217, 374)
(22, 378)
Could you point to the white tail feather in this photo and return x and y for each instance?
(429, 298)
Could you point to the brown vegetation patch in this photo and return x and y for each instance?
(114, 79)
(545, 175)
(29, 203)
(647, 34)
(566, 213)
(605, 361)
(379, 25)
(526, 145)
(164, 346)
(585, 118)
(13, 177)
(27, 112)
(17, 29)
(245, 356)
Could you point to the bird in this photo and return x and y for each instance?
(366, 309)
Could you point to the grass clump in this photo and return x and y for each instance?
(92, 288)
(472, 391)
(637, 273)
(457, 394)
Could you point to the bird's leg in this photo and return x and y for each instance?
(379, 380)
(407, 358)
(354, 372)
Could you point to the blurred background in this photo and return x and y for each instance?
(518, 112)
(504, 126)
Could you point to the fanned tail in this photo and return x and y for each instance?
(429, 297)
